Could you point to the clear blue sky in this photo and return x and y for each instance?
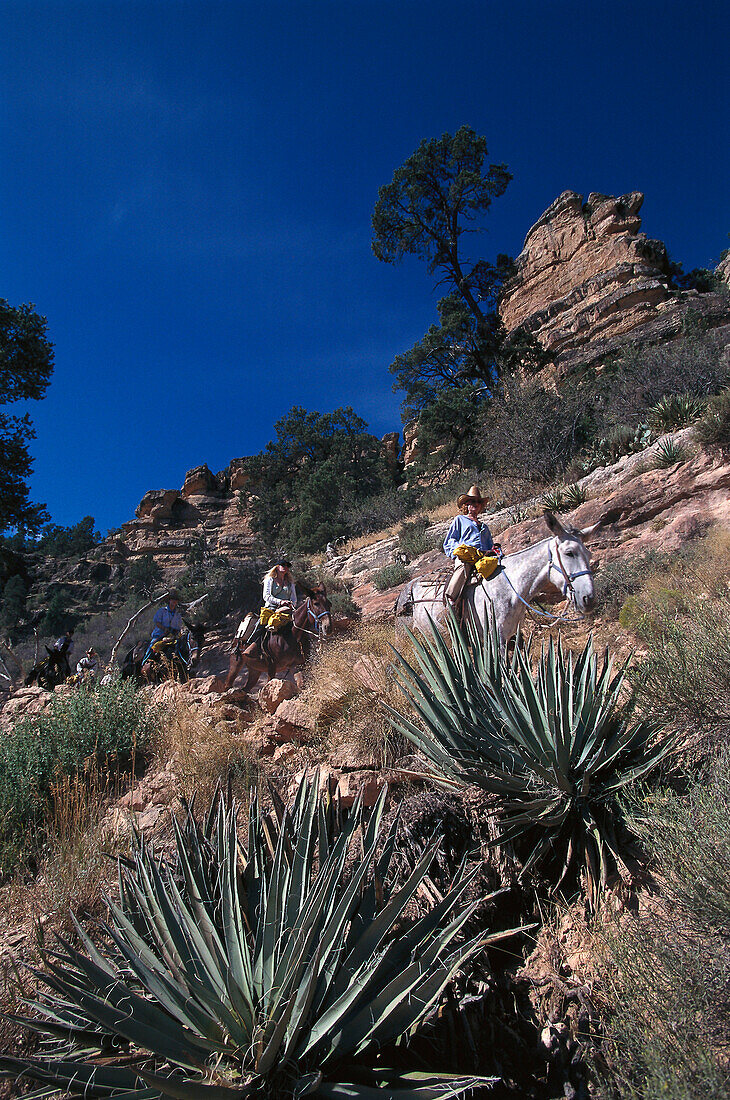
(186, 190)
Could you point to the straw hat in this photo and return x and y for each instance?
(474, 496)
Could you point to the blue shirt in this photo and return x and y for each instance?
(165, 619)
(467, 532)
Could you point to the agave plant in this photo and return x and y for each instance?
(554, 499)
(573, 496)
(676, 410)
(555, 747)
(668, 453)
(254, 971)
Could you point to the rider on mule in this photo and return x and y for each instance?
(65, 646)
(167, 624)
(467, 540)
(280, 597)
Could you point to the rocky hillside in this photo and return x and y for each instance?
(588, 283)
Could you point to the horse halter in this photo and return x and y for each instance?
(568, 578)
(316, 619)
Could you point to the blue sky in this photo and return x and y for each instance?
(186, 191)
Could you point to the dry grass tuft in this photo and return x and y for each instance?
(206, 753)
(351, 678)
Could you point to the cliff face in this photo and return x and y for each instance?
(169, 522)
(588, 282)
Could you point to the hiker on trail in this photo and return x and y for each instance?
(280, 596)
(467, 540)
(65, 646)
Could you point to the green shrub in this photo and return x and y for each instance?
(574, 496)
(670, 969)
(563, 498)
(343, 604)
(390, 575)
(632, 615)
(676, 410)
(685, 677)
(259, 967)
(713, 428)
(380, 511)
(553, 499)
(556, 748)
(97, 728)
(413, 538)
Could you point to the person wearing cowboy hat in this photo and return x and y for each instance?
(88, 666)
(466, 530)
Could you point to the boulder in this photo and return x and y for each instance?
(295, 713)
(199, 481)
(157, 504)
(275, 692)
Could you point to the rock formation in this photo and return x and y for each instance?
(170, 522)
(588, 282)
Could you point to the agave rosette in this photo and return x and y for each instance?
(555, 747)
(259, 970)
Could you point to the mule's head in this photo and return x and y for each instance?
(570, 566)
(319, 609)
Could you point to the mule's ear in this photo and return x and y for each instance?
(586, 531)
(554, 523)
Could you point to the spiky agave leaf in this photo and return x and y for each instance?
(258, 968)
(555, 746)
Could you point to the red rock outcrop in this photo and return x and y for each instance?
(170, 522)
(588, 282)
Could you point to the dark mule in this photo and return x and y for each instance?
(175, 662)
(49, 672)
(277, 653)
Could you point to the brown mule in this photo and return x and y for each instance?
(277, 653)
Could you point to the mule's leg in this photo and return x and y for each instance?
(234, 667)
(254, 665)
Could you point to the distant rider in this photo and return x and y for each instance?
(280, 595)
(88, 666)
(167, 623)
(65, 646)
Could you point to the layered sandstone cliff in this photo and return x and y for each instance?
(169, 523)
(588, 282)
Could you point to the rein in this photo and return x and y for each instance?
(315, 618)
(566, 587)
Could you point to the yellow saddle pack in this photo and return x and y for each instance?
(485, 564)
(275, 620)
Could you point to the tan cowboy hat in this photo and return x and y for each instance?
(474, 496)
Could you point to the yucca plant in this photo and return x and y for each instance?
(573, 497)
(554, 499)
(252, 971)
(668, 453)
(555, 747)
(676, 410)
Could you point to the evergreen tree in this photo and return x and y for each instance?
(26, 365)
(433, 200)
(305, 481)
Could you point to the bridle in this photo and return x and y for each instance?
(565, 587)
(568, 578)
(315, 618)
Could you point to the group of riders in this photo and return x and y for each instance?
(87, 666)
(468, 542)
